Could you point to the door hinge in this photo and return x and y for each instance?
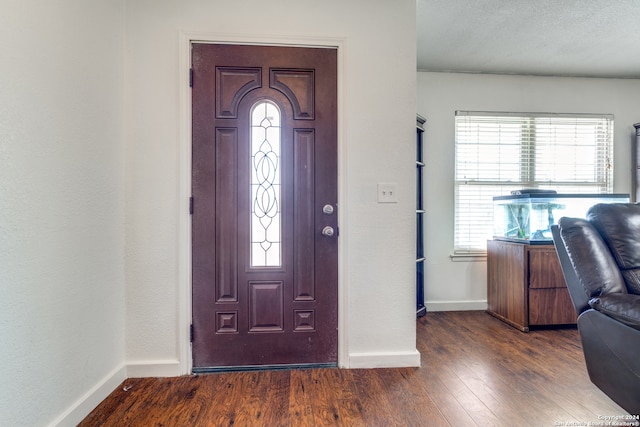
(191, 333)
(190, 77)
(191, 205)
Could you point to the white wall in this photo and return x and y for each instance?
(61, 208)
(462, 285)
(377, 133)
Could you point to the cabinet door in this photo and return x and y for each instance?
(550, 307)
(544, 268)
(506, 282)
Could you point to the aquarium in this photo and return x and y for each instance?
(527, 216)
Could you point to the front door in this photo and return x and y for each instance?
(264, 219)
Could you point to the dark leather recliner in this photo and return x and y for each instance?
(600, 259)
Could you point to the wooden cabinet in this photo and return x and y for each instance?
(525, 285)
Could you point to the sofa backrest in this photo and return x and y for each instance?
(592, 261)
(619, 226)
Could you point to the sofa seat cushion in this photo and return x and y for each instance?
(622, 307)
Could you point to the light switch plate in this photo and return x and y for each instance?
(388, 192)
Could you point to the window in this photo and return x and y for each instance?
(265, 186)
(497, 153)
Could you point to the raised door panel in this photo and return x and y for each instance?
(299, 87)
(304, 214)
(232, 84)
(226, 218)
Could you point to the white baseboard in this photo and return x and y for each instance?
(83, 406)
(384, 360)
(153, 368)
(456, 305)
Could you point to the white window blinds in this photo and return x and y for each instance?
(500, 152)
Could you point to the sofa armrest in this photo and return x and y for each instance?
(622, 307)
(579, 297)
(611, 351)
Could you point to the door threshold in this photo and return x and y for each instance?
(214, 369)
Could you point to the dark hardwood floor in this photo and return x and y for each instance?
(476, 371)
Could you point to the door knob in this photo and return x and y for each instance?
(327, 209)
(328, 231)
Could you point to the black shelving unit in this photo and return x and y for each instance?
(421, 310)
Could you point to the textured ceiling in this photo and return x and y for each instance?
(591, 38)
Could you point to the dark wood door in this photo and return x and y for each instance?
(264, 186)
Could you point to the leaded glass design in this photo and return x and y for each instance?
(266, 231)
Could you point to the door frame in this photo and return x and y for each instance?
(184, 291)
